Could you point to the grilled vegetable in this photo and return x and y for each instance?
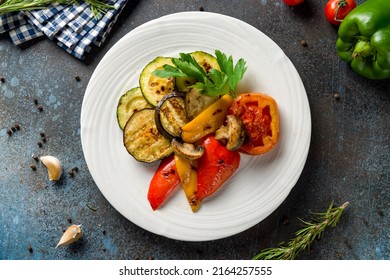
(164, 181)
(233, 133)
(130, 102)
(260, 115)
(208, 121)
(186, 150)
(188, 179)
(154, 88)
(183, 83)
(216, 166)
(171, 115)
(197, 102)
(142, 139)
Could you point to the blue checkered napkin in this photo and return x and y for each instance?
(45, 14)
(54, 22)
(91, 31)
(19, 29)
(24, 33)
(10, 21)
(73, 27)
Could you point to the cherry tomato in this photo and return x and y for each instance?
(259, 113)
(293, 2)
(337, 10)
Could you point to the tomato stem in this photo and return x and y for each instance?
(340, 4)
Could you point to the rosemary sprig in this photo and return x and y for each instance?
(305, 236)
(7, 6)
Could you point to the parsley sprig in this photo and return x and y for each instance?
(213, 83)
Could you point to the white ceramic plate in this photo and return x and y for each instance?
(260, 185)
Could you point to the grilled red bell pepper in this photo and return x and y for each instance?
(215, 166)
(165, 179)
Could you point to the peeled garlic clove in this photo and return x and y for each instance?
(72, 234)
(54, 167)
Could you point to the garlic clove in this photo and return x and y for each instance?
(72, 234)
(54, 167)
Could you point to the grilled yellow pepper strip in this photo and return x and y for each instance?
(188, 179)
(208, 121)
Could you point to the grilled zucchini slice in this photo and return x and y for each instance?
(130, 102)
(155, 88)
(142, 139)
(206, 60)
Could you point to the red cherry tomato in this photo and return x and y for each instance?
(293, 2)
(337, 10)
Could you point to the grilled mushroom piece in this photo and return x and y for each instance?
(186, 150)
(233, 133)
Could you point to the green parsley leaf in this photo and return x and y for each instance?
(169, 71)
(189, 67)
(214, 83)
(234, 73)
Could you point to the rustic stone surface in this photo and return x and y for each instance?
(348, 160)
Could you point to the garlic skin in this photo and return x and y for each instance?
(54, 167)
(72, 234)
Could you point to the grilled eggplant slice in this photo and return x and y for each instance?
(155, 88)
(130, 102)
(171, 115)
(142, 138)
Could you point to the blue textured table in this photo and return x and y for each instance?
(349, 156)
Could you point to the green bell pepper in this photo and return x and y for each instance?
(364, 39)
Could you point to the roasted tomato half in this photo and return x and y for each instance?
(260, 115)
